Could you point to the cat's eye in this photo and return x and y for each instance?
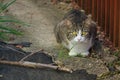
(84, 33)
(74, 33)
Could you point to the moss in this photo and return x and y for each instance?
(63, 53)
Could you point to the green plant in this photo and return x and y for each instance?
(6, 29)
(117, 53)
(63, 53)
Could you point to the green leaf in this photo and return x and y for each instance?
(3, 7)
(7, 30)
(11, 19)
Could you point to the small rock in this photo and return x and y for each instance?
(109, 58)
(117, 67)
(1, 76)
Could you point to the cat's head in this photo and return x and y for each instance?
(84, 27)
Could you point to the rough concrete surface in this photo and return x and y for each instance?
(42, 20)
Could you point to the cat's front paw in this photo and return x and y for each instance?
(72, 53)
(84, 54)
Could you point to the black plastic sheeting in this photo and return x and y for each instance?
(21, 73)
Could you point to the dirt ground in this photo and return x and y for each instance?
(42, 17)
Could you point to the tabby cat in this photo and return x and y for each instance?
(76, 32)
